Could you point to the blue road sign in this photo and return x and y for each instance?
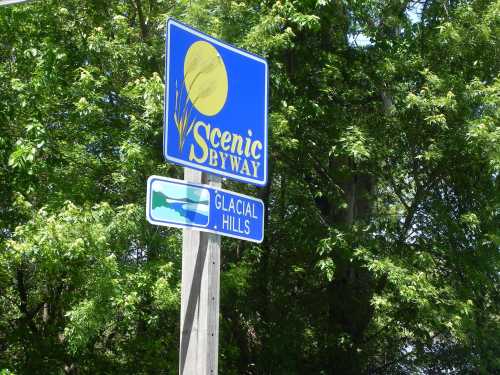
(182, 204)
(215, 116)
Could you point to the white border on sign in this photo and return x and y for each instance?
(200, 34)
(194, 227)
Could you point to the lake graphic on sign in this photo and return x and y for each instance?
(180, 203)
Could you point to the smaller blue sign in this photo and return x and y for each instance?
(182, 204)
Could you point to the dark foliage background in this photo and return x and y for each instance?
(381, 253)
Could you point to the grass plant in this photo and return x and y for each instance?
(182, 117)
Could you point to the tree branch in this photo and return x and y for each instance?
(142, 22)
(23, 296)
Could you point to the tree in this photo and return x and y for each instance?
(381, 251)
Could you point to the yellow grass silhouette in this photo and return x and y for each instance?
(182, 117)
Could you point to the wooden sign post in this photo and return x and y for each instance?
(200, 285)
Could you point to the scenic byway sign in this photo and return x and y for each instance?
(215, 117)
(181, 204)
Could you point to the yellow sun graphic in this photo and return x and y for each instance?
(205, 78)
